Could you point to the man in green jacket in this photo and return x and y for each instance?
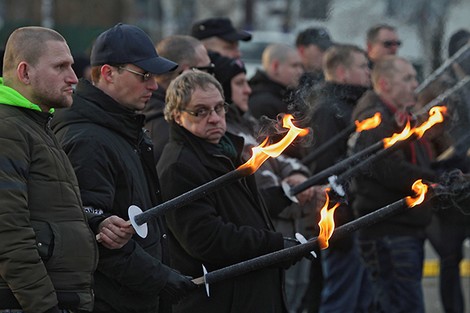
(48, 253)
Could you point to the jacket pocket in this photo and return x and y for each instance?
(44, 239)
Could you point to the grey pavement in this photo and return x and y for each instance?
(431, 284)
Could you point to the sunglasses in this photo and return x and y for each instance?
(390, 43)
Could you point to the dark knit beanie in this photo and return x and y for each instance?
(224, 70)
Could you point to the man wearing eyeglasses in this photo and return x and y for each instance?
(190, 54)
(227, 226)
(382, 40)
(112, 156)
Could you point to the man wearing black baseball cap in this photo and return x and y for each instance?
(219, 35)
(102, 134)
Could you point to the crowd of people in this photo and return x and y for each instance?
(150, 121)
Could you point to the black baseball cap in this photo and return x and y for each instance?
(218, 27)
(123, 44)
(317, 36)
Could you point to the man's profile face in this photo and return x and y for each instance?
(130, 89)
(229, 49)
(402, 84)
(312, 58)
(52, 78)
(290, 71)
(386, 43)
(358, 72)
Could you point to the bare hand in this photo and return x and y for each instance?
(114, 232)
(304, 196)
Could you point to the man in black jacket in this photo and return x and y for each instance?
(113, 159)
(227, 226)
(393, 249)
(345, 285)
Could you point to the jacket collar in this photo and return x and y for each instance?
(204, 149)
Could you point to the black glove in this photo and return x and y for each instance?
(177, 287)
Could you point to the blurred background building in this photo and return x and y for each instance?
(423, 25)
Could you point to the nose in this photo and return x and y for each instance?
(72, 78)
(152, 84)
(213, 117)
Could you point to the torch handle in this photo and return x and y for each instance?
(192, 195)
(198, 281)
(328, 144)
(321, 176)
(347, 175)
(276, 257)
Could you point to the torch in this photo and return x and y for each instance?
(371, 153)
(322, 241)
(358, 127)
(460, 54)
(443, 96)
(261, 153)
(435, 116)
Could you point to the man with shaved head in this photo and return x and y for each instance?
(393, 250)
(282, 68)
(47, 251)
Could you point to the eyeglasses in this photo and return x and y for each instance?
(220, 109)
(208, 68)
(390, 43)
(145, 76)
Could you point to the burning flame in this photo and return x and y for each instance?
(327, 223)
(420, 189)
(390, 141)
(435, 116)
(262, 152)
(369, 123)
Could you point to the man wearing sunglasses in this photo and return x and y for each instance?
(382, 40)
(190, 54)
(112, 156)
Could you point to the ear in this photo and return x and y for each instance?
(275, 66)
(22, 71)
(177, 117)
(341, 73)
(107, 73)
(383, 84)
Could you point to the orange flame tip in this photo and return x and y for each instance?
(435, 116)
(390, 141)
(369, 123)
(262, 152)
(420, 189)
(327, 223)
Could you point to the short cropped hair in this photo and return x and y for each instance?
(27, 44)
(181, 89)
(340, 54)
(373, 32)
(385, 67)
(276, 51)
